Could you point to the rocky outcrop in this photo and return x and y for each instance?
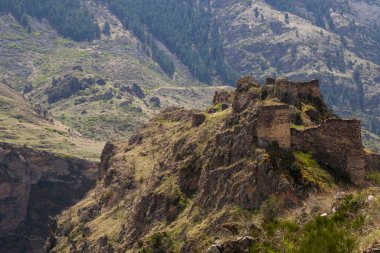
(33, 186)
(240, 244)
(67, 86)
(198, 119)
(107, 153)
(223, 97)
(179, 181)
(247, 93)
(135, 90)
(108, 95)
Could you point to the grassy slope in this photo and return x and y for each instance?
(21, 125)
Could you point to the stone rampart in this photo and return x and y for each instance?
(295, 92)
(223, 96)
(372, 162)
(273, 124)
(337, 143)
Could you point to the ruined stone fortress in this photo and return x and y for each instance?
(335, 142)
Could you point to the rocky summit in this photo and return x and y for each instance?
(268, 167)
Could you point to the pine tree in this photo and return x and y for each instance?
(68, 17)
(107, 29)
(286, 18)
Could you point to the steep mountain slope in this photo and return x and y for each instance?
(108, 107)
(190, 177)
(330, 41)
(287, 38)
(44, 168)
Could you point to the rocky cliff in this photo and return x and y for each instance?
(36, 185)
(188, 178)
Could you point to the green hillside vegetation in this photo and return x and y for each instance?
(322, 17)
(187, 30)
(319, 8)
(21, 125)
(68, 17)
(341, 231)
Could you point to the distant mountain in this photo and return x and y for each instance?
(327, 40)
(207, 41)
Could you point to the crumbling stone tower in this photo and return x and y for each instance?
(294, 93)
(273, 124)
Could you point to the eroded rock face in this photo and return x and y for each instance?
(33, 186)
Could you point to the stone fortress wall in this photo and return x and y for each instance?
(294, 92)
(223, 97)
(372, 162)
(273, 124)
(337, 143)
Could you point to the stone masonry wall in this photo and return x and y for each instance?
(372, 162)
(337, 143)
(223, 96)
(273, 124)
(294, 92)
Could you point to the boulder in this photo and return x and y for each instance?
(155, 101)
(67, 86)
(243, 84)
(213, 249)
(240, 244)
(101, 82)
(27, 88)
(137, 91)
(198, 119)
(78, 68)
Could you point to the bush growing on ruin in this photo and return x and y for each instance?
(271, 209)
